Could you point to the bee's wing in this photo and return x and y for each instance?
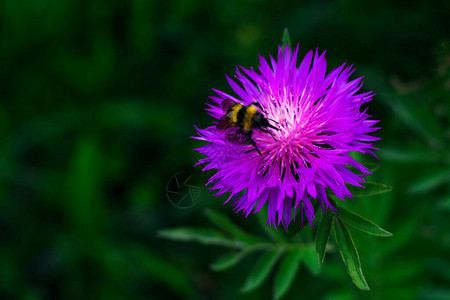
(224, 123)
(226, 104)
(234, 137)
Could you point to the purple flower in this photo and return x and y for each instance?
(320, 120)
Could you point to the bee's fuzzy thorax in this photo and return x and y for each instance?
(250, 112)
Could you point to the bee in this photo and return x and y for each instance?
(245, 118)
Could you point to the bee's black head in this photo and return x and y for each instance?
(259, 121)
(262, 122)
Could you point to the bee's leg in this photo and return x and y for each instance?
(254, 145)
(274, 122)
(267, 131)
(254, 149)
(252, 141)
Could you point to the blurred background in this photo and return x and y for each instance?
(97, 105)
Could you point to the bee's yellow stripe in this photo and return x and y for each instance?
(232, 115)
(248, 117)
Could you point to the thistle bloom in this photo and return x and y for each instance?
(320, 119)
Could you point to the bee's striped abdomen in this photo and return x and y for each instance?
(247, 121)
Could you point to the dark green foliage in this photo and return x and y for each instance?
(204, 236)
(287, 271)
(361, 223)
(310, 259)
(299, 248)
(225, 224)
(322, 236)
(286, 39)
(262, 269)
(349, 254)
(230, 259)
(370, 189)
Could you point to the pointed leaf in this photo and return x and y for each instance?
(286, 39)
(224, 223)
(230, 259)
(370, 189)
(262, 269)
(310, 259)
(202, 235)
(322, 237)
(372, 166)
(287, 271)
(361, 223)
(349, 254)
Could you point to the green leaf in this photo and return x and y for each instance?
(202, 235)
(262, 269)
(287, 271)
(286, 39)
(372, 166)
(361, 223)
(349, 255)
(310, 258)
(322, 237)
(230, 259)
(429, 182)
(370, 189)
(224, 223)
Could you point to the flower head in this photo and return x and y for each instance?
(320, 119)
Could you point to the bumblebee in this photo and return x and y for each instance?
(245, 119)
